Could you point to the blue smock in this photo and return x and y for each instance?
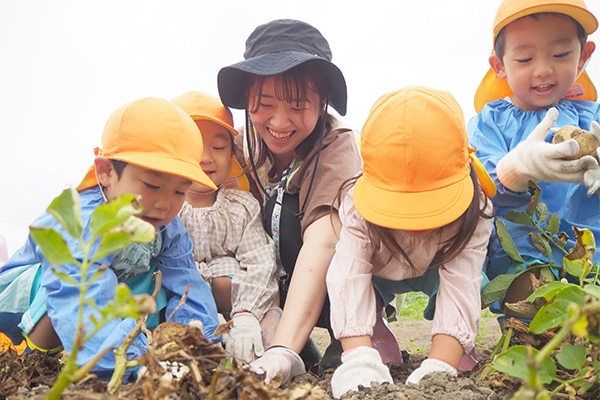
(19, 292)
(498, 129)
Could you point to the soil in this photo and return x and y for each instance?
(211, 376)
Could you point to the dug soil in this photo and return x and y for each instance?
(209, 375)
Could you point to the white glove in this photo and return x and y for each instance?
(245, 337)
(539, 161)
(360, 366)
(591, 177)
(278, 359)
(427, 367)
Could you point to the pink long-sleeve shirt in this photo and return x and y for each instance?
(357, 258)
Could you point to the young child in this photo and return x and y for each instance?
(231, 248)
(540, 48)
(150, 148)
(416, 219)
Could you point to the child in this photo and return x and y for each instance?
(150, 148)
(299, 154)
(539, 47)
(415, 219)
(231, 248)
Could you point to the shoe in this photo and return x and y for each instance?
(384, 341)
(332, 357)
(310, 354)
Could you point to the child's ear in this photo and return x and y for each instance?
(497, 66)
(104, 170)
(586, 53)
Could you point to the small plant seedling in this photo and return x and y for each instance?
(114, 226)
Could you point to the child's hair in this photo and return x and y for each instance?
(119, 166)
(499, 43)
(467, 224)
(290, 86)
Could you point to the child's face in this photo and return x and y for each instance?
(216, 157)
(162, 194)
(282, 125)
(541, 60)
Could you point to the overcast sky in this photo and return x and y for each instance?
(66, 65)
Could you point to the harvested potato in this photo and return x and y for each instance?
(587, 142)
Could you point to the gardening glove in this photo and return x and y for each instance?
(360, 366)
(539, 161)
(427, 367)
(278, 359)
(245, 337)
(591, 178)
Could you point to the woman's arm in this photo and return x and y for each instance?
(307, 291)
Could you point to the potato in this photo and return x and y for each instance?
(587, 142)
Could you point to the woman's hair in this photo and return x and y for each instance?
(499, 44)
(290, 86)
(468, 222)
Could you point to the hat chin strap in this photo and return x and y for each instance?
(585, 64)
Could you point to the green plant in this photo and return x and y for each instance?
(571, 311)
(113, 224)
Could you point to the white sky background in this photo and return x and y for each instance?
(66, 65)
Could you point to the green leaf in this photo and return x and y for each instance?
(140, 230)
(518, 217)
(572, 357)
(579, 267)
(552, 315)
(507, 243)
(114, 213)
(111, 243)
(553, 224)
(53, 246)
(66, 209)
(496, 288)
(596, 365)
(540, 243)
(541, 212)
(592, 290)
(536, 192)
(65, 277)
(548, 291)
(514, 363)
(98, 274)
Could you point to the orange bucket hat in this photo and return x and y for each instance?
(493, 88)
(201, 106)
(416, 161)
(155, 134)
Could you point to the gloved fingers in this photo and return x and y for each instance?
(540, 132)
(587, 162)
(595, 130)
(558, 151)
(591, 179)
(259, 349)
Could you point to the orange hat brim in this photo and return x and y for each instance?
(493, 88)
(412, 210)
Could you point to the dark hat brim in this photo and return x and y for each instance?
(230, 79)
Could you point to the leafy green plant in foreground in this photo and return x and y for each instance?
(115, 226)
(571, 311)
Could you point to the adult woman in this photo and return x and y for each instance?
(298, 155)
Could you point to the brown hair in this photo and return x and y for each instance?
(499, 43)
(290, 86)
(452, 247)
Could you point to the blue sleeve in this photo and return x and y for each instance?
(176, 262)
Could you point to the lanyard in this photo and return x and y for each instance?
(276, 219)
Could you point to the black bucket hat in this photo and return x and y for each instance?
(276, 47)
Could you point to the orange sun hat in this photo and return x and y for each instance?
(154, 134)
(493, 88)
(416, 161)
(202, 106)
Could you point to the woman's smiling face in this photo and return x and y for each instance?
(281, 124)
